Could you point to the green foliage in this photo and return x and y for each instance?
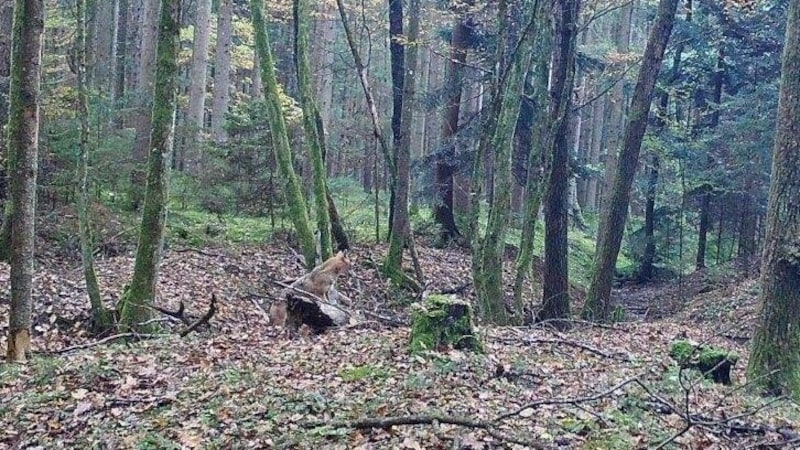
(366, 371)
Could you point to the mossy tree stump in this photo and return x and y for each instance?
(443, 322)
(712, 362)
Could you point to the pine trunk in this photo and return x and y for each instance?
(195, 116)
(614, 212)
(135, 304)
(23, 147)
(445, 157)
(555, 301)
(775, 358)
(222, 70)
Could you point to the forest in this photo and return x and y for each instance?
(406, 224)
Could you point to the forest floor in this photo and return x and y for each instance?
(241, 383)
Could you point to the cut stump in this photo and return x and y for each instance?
(712, 362)
(441, 322)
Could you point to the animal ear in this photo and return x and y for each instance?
(340, 254)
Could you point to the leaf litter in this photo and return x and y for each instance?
(244, 384)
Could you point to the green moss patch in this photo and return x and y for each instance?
(443, 322)
(714, 363)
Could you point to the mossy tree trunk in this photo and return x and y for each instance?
(555, 289)
(775, 358)
(23, 148)
(280, 137)
(135, 304)
(312, 124)
(539, 75)
(6, 23)
(401, 227)
(615, 210)
(101, 317)
(491, 297)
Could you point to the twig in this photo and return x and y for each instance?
(208, 315)
(568, 401)
(104, 340)
(198, 251)
(388, 422)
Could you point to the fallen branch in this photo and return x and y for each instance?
(208, 315)
(567, 342)
(103, 341)
(179, 314)
(198, 251)
(388, 422)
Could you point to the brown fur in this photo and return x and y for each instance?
(320, 282)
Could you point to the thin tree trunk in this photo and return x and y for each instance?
(280, 138)
(397, 58)
(702, 232)
(192, 154)
(445, 157)
(648, 259)
(597, 306)
(555, 301)
(135, 304)
(222, 70)
(104, 44)
(23, 147)
(121, 53)
(325, 39)
(538, 98)
(6, 22)
(312, 124)
(145, 78)
(775, 357)
(598, 114)
(101, 317)
(401, 226)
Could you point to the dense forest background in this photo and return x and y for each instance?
(565, 171)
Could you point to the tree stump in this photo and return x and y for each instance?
(712, 362)
(317, 315)
(441, 322)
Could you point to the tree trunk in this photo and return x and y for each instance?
(397, 57)
(614, 213)
(702, 232)
(443, 174)
(537, 147)
(280, 138)
(121, 55)
(222, 70)
(101, 317)
(775, 358)
(195, 116)
(747, 225)
(145, 73)
(312, 124)
(401, 228)
(325, 39)
(104, 45)
(648, 259)
(616, 111)
(135, 304)
(23, 147)
(596, 144)
(555, 301)
(6, 22)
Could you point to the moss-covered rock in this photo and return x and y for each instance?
(442, 321)
(714, 363)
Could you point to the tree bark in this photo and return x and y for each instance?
(443, 173)
(555, 301)
(121, 55)
(222, 70)
(135, 304)
(23, 147)
(312, 124)
(195, 117)
(702, 232)
(401, 227)
(775, 357)
(101, 317)
(397, 60)
(614, 213)
(537, 147)
(648, 259)
(104, 45)
(144, 76)
(6, 22)
(280, 138)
